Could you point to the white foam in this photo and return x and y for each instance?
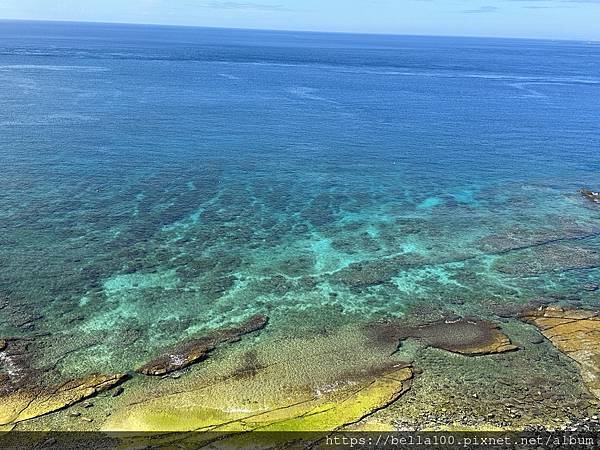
(53, 68)
(308, 93)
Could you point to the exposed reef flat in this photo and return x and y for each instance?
(314, 383)
(576, 333)
(306, 411)
(195, 350)
(470, 337)
(24, 395)
(347, 377)
(31, 402)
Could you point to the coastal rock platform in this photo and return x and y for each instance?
(576, 333)
(30, 403)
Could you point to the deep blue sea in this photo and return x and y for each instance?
(159, 181)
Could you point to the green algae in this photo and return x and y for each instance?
(306, 412)
(241, 388)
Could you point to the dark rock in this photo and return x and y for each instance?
(469, 337)
(49, 442)
(590, 195)
(118, 391)
(536, 340)
(196, 350)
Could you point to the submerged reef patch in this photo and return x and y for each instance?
(364, 274)
(190, 352)
(313, 382)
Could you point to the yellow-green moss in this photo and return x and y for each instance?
(311, 412)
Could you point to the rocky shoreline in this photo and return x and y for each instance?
(344, 398)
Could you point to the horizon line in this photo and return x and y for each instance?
(360, 33)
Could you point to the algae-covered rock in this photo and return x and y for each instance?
(310, 382)
(575, 333)
(195, 350)
(343, 402)
(27, 403)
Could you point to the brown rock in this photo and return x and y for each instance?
(195, 350)
(3, 344)
(590, 195)
(465, 336)
(576, 333)
(16, 361)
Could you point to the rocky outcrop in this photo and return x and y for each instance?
(15, 366)
(590, 195)
(195, 350)
(29, 403)
(576, 333)
(470, 337)
(23, 394)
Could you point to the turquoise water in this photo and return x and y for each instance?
(157, 182)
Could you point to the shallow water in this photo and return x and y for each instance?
(158, 182)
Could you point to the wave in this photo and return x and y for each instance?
(309, 94)
(340, 66)
(531, 93)
(564, 80)
(229, 77)
(49, 120)
(7, 67)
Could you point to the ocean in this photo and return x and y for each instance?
(159, 182)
